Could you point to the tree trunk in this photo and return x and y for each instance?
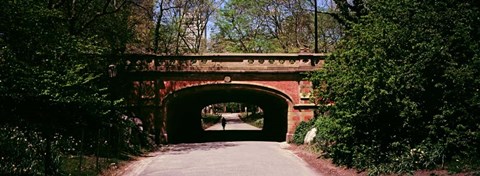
(157, 28)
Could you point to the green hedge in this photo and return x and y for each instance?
(253, 119)
(405, 86)
(210, 119)
(302, 130)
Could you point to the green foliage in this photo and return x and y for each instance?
(266, 26)
(22, 152)
(302, 130)
(133, 141)
(210, 119)
(53, 81)
(45, 56)
(403, 86)
(233, 107)
(254, 119)
(328, 130)
(70, 165)
(235, 23)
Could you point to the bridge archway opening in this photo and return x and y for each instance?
(237, 115)
(183, 110)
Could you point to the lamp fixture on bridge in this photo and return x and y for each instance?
(112, 71)
(227, 79)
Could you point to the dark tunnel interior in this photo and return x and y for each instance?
(184, 113)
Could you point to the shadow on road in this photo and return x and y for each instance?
(234, 135)
(236, 121)
(229, 135)
(184, 148)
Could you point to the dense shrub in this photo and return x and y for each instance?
(133, 139)
(25, 149)
(302, 130)
(254, 119)
(405, 86)
(56, 97)
(210, 119)
(258, 123)
(23, 152)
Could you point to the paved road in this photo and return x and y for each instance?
(233, 123)
(222, 158)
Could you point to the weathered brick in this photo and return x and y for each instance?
(291, 85)
(295, 118)
(307, 117)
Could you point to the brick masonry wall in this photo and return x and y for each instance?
(289, 88)
(298, 91)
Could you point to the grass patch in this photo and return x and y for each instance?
(253, 119)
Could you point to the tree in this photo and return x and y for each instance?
(238, 24)
(142, 22)
(403, 86)
(329, 27)
(50, 75)
(272, 26)
(180, 26)
(347, 12)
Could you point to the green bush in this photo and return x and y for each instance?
(24, 147)
(301, 130)
(253, 119)
(210, 119)
(258, 123)
(405, 88)
(23, 152)
(327, 131)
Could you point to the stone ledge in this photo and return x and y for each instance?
(305, 106)
(304, 98)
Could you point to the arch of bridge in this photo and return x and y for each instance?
(183, 107)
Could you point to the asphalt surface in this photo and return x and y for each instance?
(246, 158)
(223, 158)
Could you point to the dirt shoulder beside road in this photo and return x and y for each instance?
(322, 166)
(326, 167)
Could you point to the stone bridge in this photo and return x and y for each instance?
(169, 92)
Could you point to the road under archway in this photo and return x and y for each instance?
(183, 112)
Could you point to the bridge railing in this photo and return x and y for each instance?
(223, 63)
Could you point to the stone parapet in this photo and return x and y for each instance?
(237, 63)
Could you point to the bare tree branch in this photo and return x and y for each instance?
(104, 12)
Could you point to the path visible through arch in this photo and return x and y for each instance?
(233, 123)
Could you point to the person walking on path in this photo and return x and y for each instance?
(224, 122)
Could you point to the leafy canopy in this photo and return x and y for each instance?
(405, 86)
